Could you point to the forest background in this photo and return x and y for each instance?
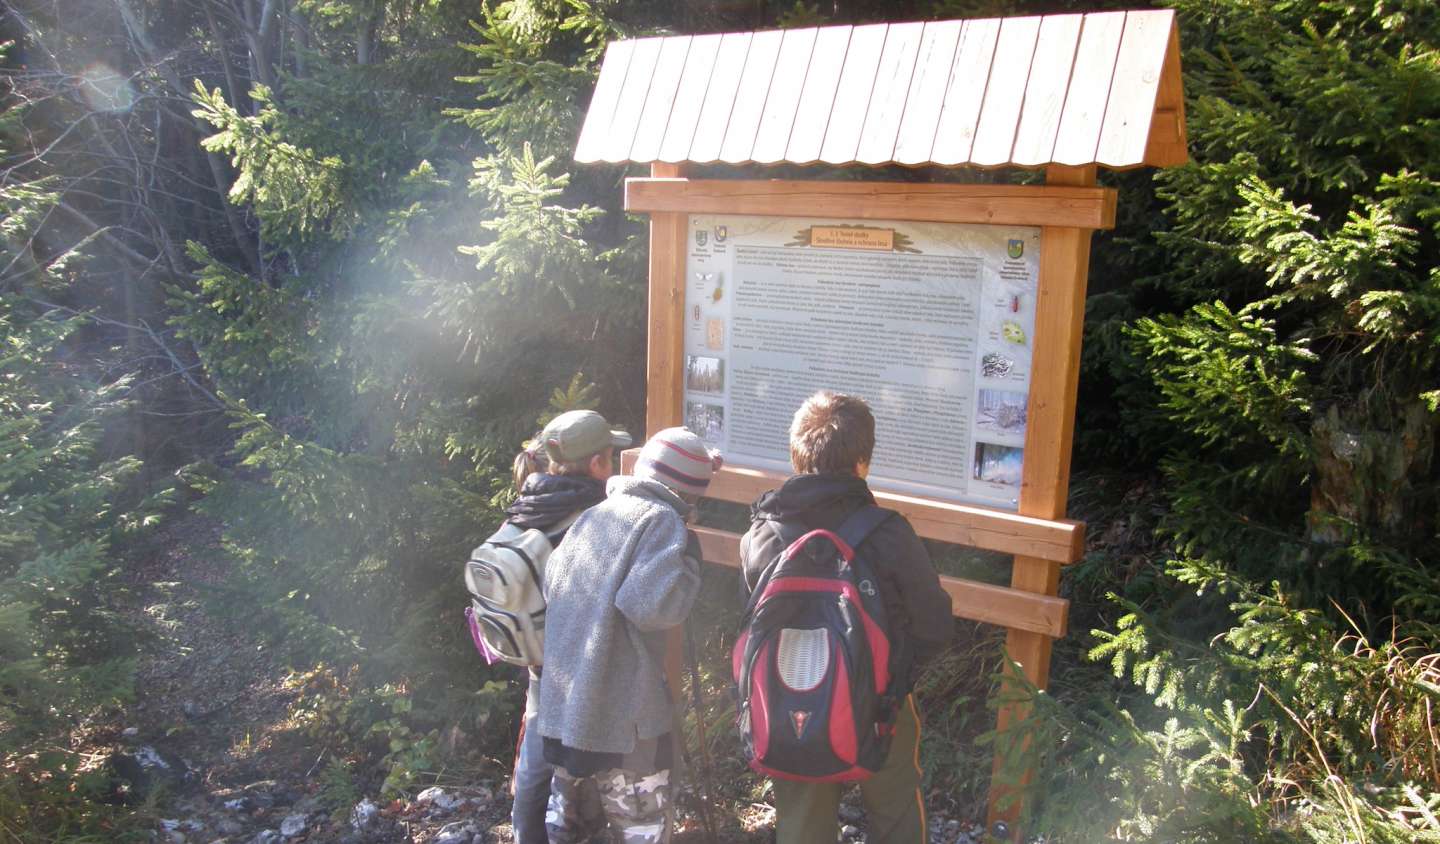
(311, 270)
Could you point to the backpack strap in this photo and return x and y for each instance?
(855, 530)
(788, 532)
(861, 523)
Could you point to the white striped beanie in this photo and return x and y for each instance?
(678, 459)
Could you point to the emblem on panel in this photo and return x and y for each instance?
(798, 719)
(702, 237)
(721, 233)
(1016, 247)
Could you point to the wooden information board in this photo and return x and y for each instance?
(931, 323)
(955, 309)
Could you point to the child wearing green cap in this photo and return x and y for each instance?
(560, 474)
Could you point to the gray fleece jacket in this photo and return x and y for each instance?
(620, 578)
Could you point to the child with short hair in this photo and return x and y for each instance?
(832, 437)
(628, 571)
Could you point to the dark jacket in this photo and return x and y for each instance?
(915, 603)
(551, 502)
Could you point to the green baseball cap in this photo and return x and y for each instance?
(578, 434)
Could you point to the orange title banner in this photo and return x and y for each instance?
(845, 237)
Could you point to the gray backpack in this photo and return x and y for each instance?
(506, 577)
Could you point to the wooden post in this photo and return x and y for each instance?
(665, 355)
(1050, 429)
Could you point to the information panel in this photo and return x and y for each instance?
(931, 323)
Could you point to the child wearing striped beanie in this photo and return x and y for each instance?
(678, 458)
(627, 571)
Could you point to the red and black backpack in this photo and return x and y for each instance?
(818, 676)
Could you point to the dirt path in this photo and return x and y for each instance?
(214, 736)
(213, 733)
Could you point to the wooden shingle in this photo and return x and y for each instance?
(1101, 88)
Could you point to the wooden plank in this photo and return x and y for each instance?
(971, 599)
(1045, 92)
(817, 98)
(689, 98)
(1081, 207)
(1084, 111)
(665, 351)
(1030, 651)
(1050, 428)
(1134, 87)
(969, 77)
(1005, 95)
(658, 102)
(720, 96)
(852, 99)
(596, 131)
(1050, 417)
(785, 86)
(750, 96)
(1168, 143)
(1036, 613)
(963, 524)
(888, 96)
(926, 96)
(632, 100)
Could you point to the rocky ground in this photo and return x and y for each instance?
(212, 743)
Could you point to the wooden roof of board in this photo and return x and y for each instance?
(1100, 88)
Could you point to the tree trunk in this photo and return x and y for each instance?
(145, 48)
(1369, 478)
(234, 93)
(302, 42)
(365, 38)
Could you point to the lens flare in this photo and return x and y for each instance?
(105, 89)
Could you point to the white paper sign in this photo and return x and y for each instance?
(931, 323)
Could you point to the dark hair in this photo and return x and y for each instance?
(831, 432)
(530, 460)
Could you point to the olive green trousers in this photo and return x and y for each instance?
(807, 812)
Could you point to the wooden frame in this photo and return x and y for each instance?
(1023, 205)
(1056, 540)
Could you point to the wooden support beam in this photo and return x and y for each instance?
(665, 353)
(1049, 434)
(1059, 541)
(1086, 207)
(973, 600)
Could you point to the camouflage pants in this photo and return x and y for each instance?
(636, 807)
